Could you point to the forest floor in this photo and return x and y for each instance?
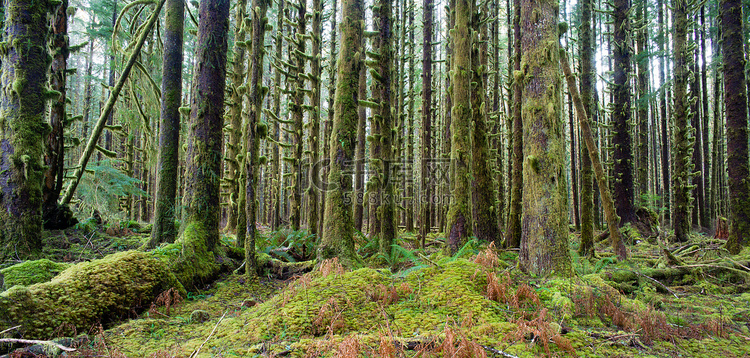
(424, 303)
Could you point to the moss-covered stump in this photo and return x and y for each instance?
(86, 294)
(30, 272)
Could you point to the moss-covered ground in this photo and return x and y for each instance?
(473, 304)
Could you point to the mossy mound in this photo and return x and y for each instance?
(473, 304)
(102, 290)
(30, 272)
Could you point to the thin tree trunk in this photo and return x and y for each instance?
(425, 184)
(601, 178)
(513, 235)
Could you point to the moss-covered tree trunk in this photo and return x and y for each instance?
(622, 154)
(642, 103)
(331, 95)
(23, 128)
(665, 167)
(276, 152)
(337, 239)
(587, 135)
(297, 72)
(483, 210)
(544, 235)
(254, 128)
(497, 126)
(234, 145)
(387, 208)
(513, 233)
(586, 55)
(459, 221)
(360, 195)
(683, 144)
(164, 229)
(204, 154)
(425, 184)
(54, 216)
(697, 212)
(736, 111)
(409, 201)
(316, 36)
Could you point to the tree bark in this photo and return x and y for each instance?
(338, 235)
(425, 184)
(544, 219)
(203, 167)
(23, 128)
(681, 182)
(736, 111)
(513, 235)
(621, 114)
(459, 223)
(164, 229)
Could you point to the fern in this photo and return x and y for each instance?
(470, 246)
(105, 187)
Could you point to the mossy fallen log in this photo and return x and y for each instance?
(86, 294)
(118, 286)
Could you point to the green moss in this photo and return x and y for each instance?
(30, 272)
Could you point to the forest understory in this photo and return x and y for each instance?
(689, 300)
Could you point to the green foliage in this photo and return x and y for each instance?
(652, 201)
(287, 245)
(103, 188)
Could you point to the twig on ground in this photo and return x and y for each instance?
(33, 341)
(497, 351)
(195, 352)
(656, 282)
(10, 329)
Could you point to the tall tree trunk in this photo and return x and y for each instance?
(23, 129)
(497, 109)
(254, 130)
(681, 182)
(621, 139)
(387, 210)
(409, 157)
(736, 112)
(642, 103)
(544, 234)
(55, 216)
(696, 122)
(331, 96)
(459, 223)
(203, 170)
(586, 55)
(297, 71)
(312, 192)
(665, 154)
(359, 169)
(704, 128)
(338, 236)
(513, 235)
(425, 184)
(237, 91)
(164, 229)
(276, 152)
(483, 210)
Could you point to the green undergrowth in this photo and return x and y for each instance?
(441, 307)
